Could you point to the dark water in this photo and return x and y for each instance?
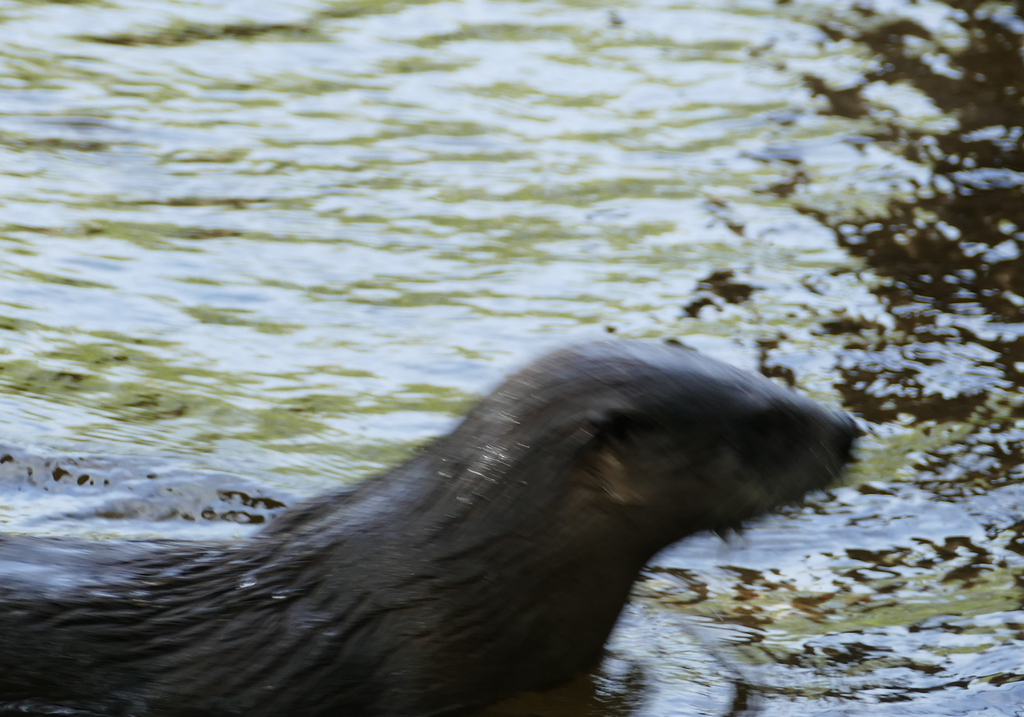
(268, 248)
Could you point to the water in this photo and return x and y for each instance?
(267, 249)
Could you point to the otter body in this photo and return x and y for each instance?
(495, 561)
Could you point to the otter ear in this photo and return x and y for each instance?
(600, 466)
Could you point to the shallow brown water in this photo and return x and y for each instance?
(266, 249)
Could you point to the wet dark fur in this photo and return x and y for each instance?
(495, 561)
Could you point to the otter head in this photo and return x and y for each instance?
(656, 438)
(691, 444)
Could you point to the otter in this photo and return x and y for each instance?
(494, 561)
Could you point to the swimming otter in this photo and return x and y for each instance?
(495, 561)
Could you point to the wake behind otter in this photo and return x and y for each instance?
(496, 561)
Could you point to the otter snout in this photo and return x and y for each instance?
(845, 435)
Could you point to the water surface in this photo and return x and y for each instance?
(267, 249)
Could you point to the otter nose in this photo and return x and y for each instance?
(844, 435)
